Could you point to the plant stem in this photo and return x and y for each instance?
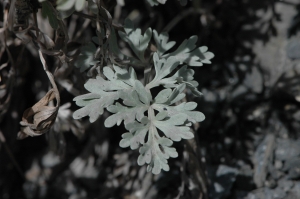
(10, 154)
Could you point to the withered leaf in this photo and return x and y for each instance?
(39, 118)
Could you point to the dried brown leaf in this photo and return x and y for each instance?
(39, 118)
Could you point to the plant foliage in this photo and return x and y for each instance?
(153, 123)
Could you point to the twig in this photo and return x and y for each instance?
(51, 78)
(84, 26)
(36, 24)
(85, 16)
(11, 15)
(181, 16)
(117, 27)
(10, 154)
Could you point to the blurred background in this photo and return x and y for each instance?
(247, 147)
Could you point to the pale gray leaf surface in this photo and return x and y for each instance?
(153, 133)
(157, 150)
(183, 76)
(183, 108)
(172, 129)
(163, 96)
(138, 101)
(176, 94)
(163, 67)
(167, 97)
(162, 43)
(137, 134)
(189, 54)
(128, 114)
(86, 57)
(135, 39)
(127, 77)
(103, 93)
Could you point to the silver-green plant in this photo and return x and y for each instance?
(152, 122)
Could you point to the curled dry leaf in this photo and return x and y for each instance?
(38, 119)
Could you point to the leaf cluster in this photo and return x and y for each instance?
(152, 122)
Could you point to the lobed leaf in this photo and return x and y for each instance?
(165, 98)
(138, 101)
(86, 57)
(157, 150)
(162, 43)
(189, 54)
(183, 108)
(152, 134)
(162, 69)
(103, 93)
(135, 39)
(183, 76)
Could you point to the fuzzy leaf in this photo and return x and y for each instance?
(162, 43)
(137, 101)
(183, 76)
(183, 108)
(163, 96)
(86, 58)
(189, 54)
(166, 98)
(162, 69)
(171, 121)
(156, 151)
(135, 39)
(103, 94)
(152, 133)
(135, 137)
(172, 129)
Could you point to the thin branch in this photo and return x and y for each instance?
(117, 27)
(84, 26)
(36, 24)
(182, 15)
(10, 154)
(85, 16)
(50, 77)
